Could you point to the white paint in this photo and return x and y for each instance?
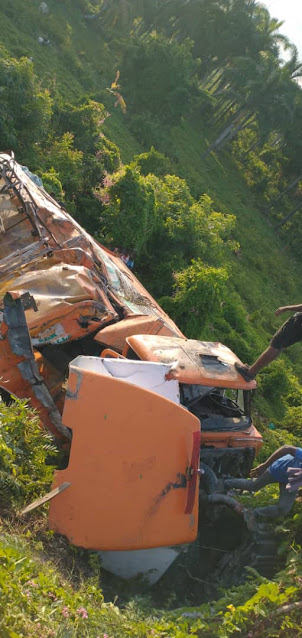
(145, 374)
(54, 334)
(149, 563)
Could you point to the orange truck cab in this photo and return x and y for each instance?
(141, 407)
(212, 390)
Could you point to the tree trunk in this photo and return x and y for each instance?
(217, 81)
(236, 130)
(221, 114)
(251, 148)
(211, 79)
(229, 132)
(288, 188)
(291, 214)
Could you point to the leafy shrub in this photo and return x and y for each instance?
(67, 162)
(293, 420)
(273, 439)
(88, 213)
(129, 211)
(24, 451)
(152, 162)
(83, 120)
(198, 290)
(51, 183)
(148, 130)
(239, 343)
(186, 229)
(25, 109)
(274, 384)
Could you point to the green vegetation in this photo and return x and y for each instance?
(200, 177)
(38, 601)
(49, 588)
(25, 452)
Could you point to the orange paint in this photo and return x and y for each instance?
(127, 467)
(196, 362)
(246, 438)
(131, 448)
(117, 334)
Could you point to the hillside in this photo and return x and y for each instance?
(170, 129)
(80, 60)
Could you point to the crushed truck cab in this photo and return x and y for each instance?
(214, 392)
(139, 405)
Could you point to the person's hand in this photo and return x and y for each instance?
(294, 479)
(280, 310)
(257, 471)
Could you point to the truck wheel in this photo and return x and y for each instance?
(208, 480)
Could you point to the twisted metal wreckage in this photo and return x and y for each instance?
(110, 373)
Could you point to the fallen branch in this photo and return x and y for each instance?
(45, 498)
(199, 580)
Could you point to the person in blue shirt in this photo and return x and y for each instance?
(274, 470)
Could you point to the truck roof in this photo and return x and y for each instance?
(195, 362)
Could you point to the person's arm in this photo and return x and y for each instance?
(282, 309)
(282, 451)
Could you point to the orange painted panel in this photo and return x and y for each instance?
(246, 438)
(128, 468)
(115, 335)
(196, 362)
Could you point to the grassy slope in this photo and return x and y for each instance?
(79, 61)
(75, 60)
(265, 275)
(50, 589)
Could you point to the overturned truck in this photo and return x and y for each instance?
(141, 407)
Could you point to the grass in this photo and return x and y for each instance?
(265, 274)
(48, 588)
(79, 60)
(116, 129)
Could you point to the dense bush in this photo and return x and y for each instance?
(83, 120)
(158, 77)
(68, 162)
(199, 289)
(24, 451)
(152, 162)
(129, 215)
(25, 108)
